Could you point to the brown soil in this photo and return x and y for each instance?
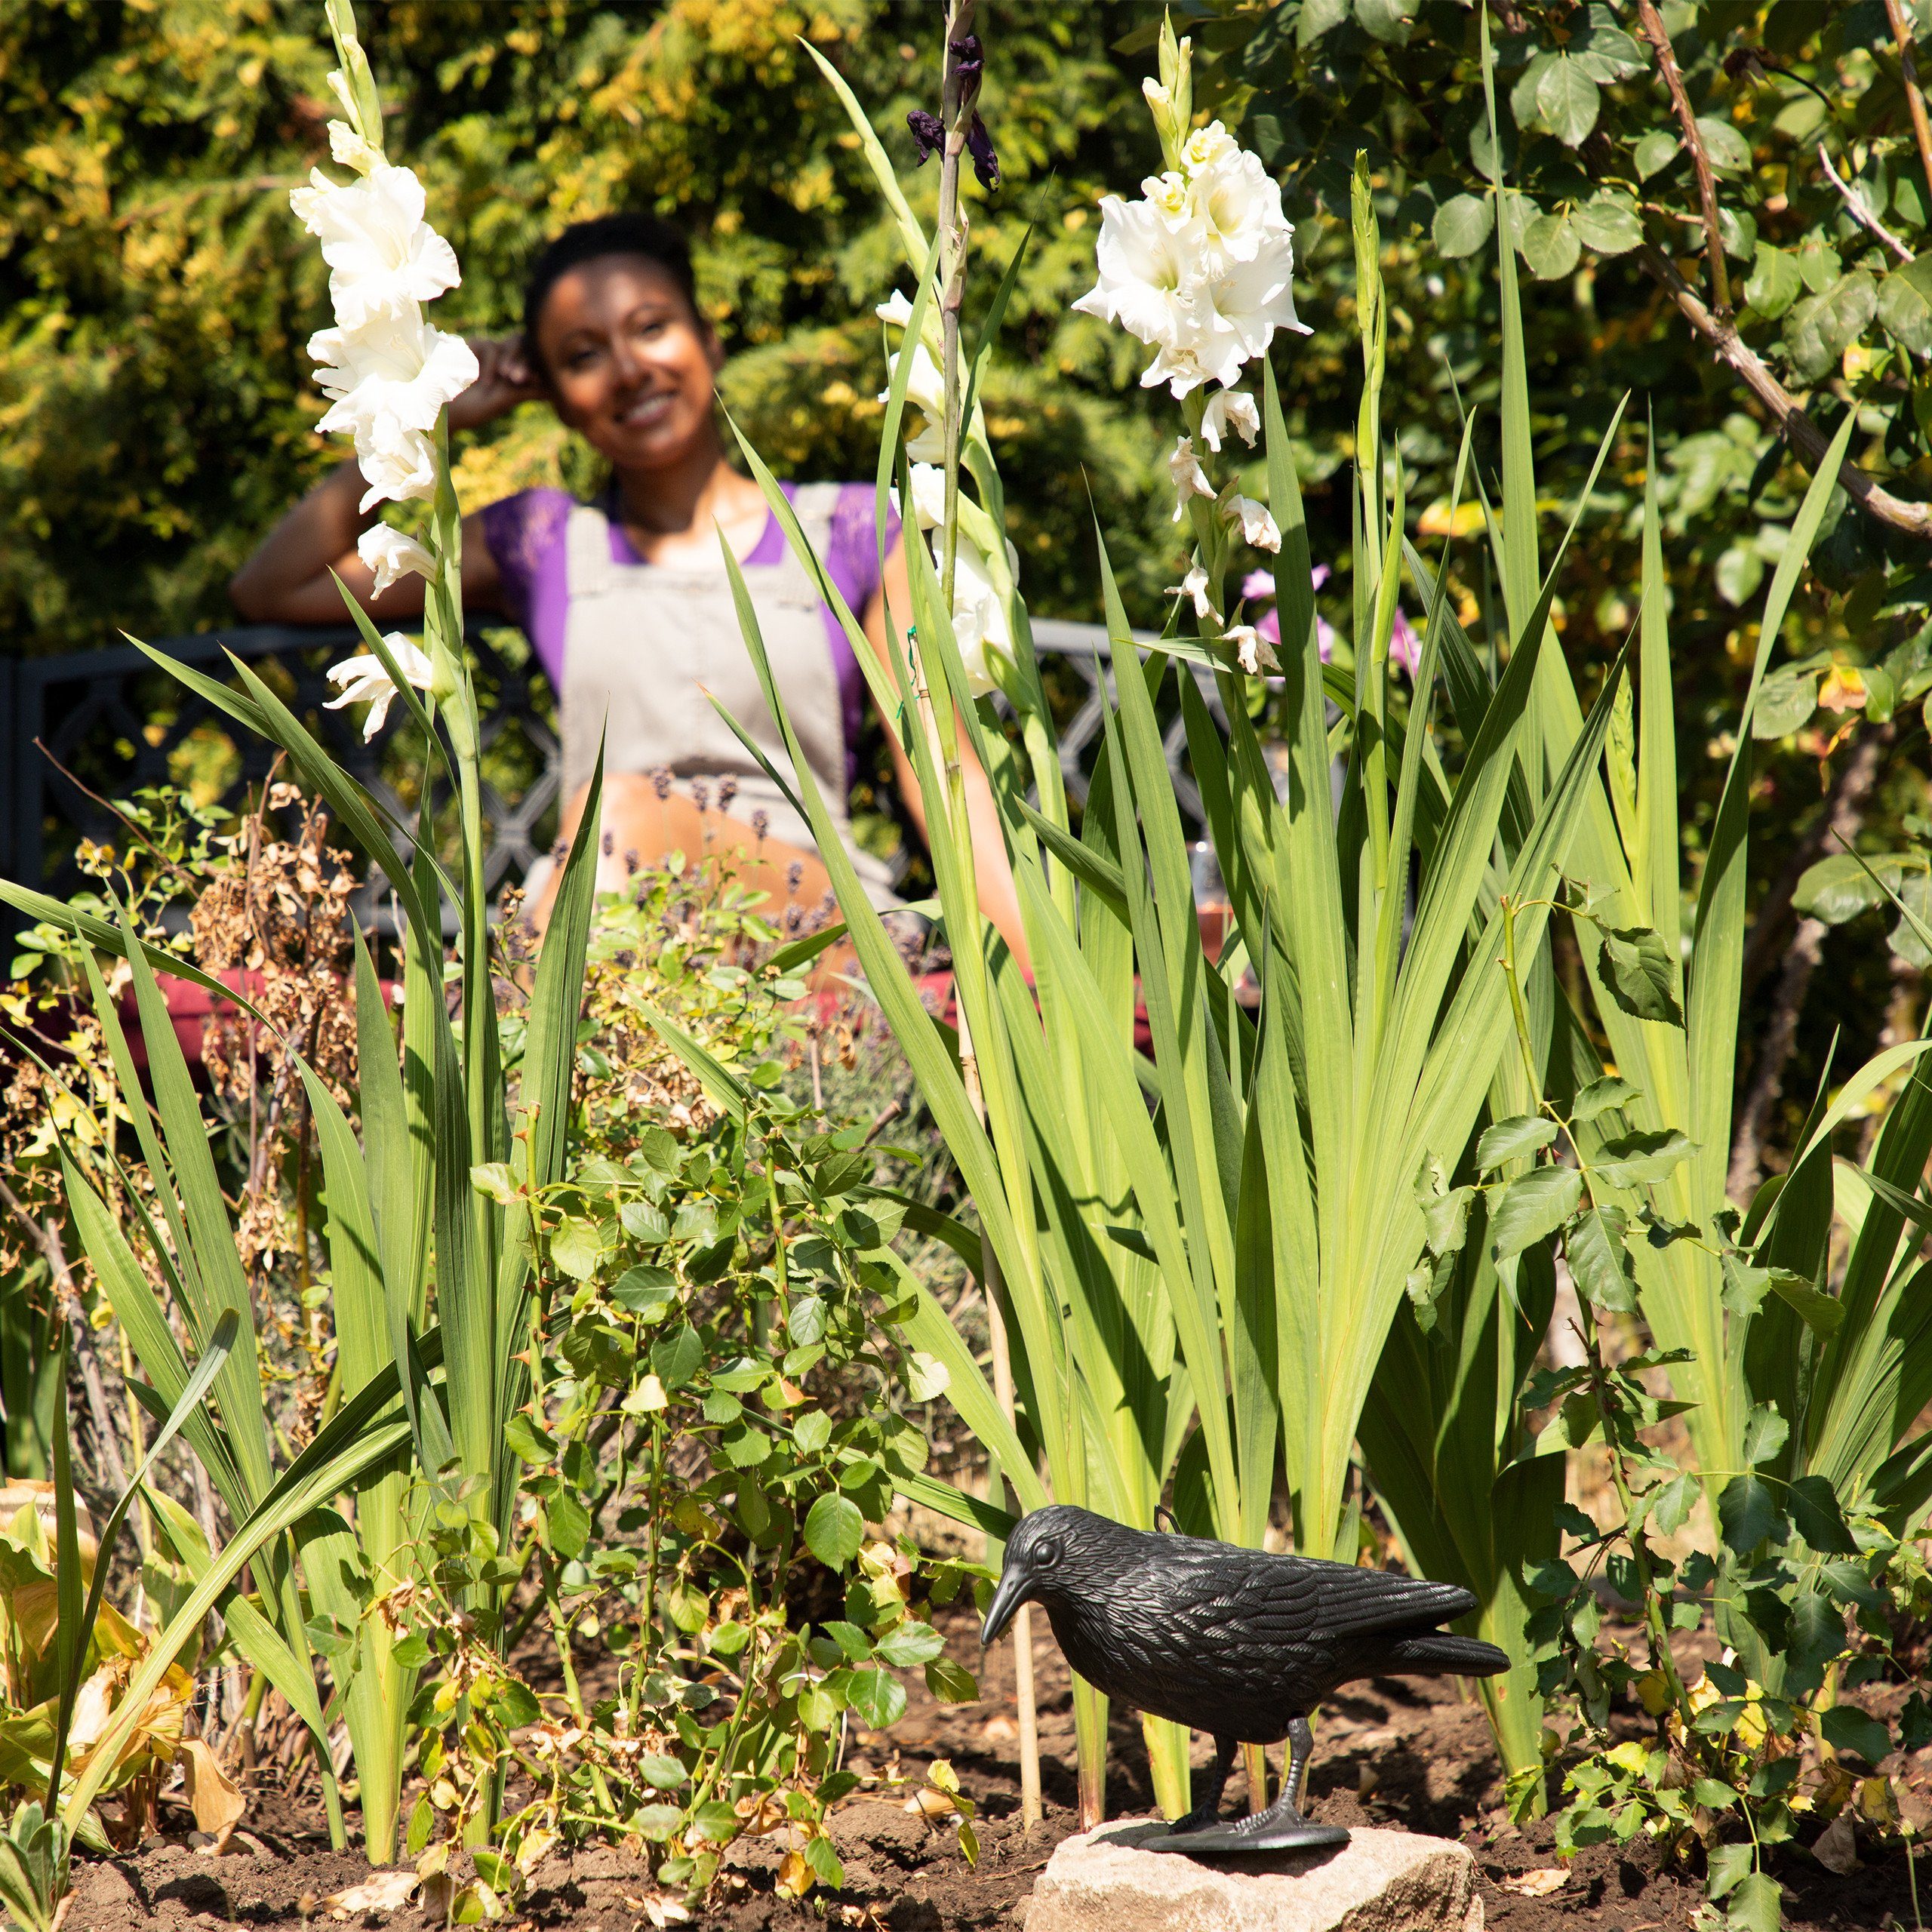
(1396, 1753)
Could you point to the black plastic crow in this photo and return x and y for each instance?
(1235, 1642)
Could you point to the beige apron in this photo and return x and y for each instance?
(644, 642)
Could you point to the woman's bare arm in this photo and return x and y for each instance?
(288, 580)
(999, 898)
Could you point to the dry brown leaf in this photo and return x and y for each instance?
(214, 1797)
(1837, 1847)
(1000, 1730)
(381, 1891)
(1536, 1884)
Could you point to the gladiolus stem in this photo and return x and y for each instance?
(957, 93)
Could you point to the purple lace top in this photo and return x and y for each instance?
(525, 536)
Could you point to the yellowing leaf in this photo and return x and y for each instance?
(214, 1797)
(1536, 1884)
(1843, 689)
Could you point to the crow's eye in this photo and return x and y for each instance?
(1046, 1551)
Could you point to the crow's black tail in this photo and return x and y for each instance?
(1441, 1654)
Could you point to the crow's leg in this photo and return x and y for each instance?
(1208, 1811)
(1301, 1748)
(1280, 1828)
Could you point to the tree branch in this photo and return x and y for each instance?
(1921, 129)
(1854, 206)
(1804, 436)
(1707, 186)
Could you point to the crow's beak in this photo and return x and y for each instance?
(1004, 1606)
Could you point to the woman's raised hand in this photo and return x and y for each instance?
(504, 379)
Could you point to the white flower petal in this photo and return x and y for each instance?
(392, 555)
(1189, 479)
(363, 679)
(1230, 409)
(382, 253)
(1195, 586)
(897, 309)
(1257, 526)
(1252, 651)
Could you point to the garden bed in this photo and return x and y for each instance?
(1394, 1753)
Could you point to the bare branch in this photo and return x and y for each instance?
(1707, 186)
(1804, 436)
(1854, 206)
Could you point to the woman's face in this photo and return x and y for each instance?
(631, 367)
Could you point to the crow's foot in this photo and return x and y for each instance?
(1280, 1828)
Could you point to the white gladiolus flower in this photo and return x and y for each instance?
(392, 555)
(925, 388)
(1230, 409)
(1253, 299)
(1195, 586)
(1207, 147)
(980, 619)
(1201, 268)
(1251, 649)
(383, 255)
(1257, 526)
(928, 495)
(1189, 479)
(347, 149)
(1148, 273)
(363, 679)
(390, 378)
(897, 309)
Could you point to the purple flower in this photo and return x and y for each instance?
(761, 824)
(701, 795)
(1258, 584)
(971, 60)
(727, 790)
(660, 782)
(928, 134)
(986, 162)
(1404, 647)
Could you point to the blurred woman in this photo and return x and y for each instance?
(626, 601)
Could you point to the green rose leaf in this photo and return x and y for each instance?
(1532, 1207)
(878, 1697)
(569, 1523)
(660, 1151)
(1637, 967)
(951, 1683)
(1740, 569)
(1766, 1432)
(574, 1248)
(1774, 283)
(1822, 1314)
(1568, 99)
(1904, 305)
(646, 1291)
(1839, 888)
(1847, 1728)
(1600, 1260)
(834, 1530)
(909, 1643)
(1820, 330)
(1748, 1513)
(1550, 247)
(1729, 152)
(1672, 1504)
(1757, 1904)
(1605, 52)
(1601, 1095)
(1785, 700)
(1510, 1140)
(1816, 1517)
(1634, 1159)
(1609, 223)
(1655, 152)
(1462, 225)
(676, 1358)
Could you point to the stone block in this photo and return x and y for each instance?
(1379, 1882)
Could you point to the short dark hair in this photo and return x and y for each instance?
(633, 233)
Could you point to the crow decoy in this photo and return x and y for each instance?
(1238, 1643)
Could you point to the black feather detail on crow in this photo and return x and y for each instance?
(1238, 1643)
